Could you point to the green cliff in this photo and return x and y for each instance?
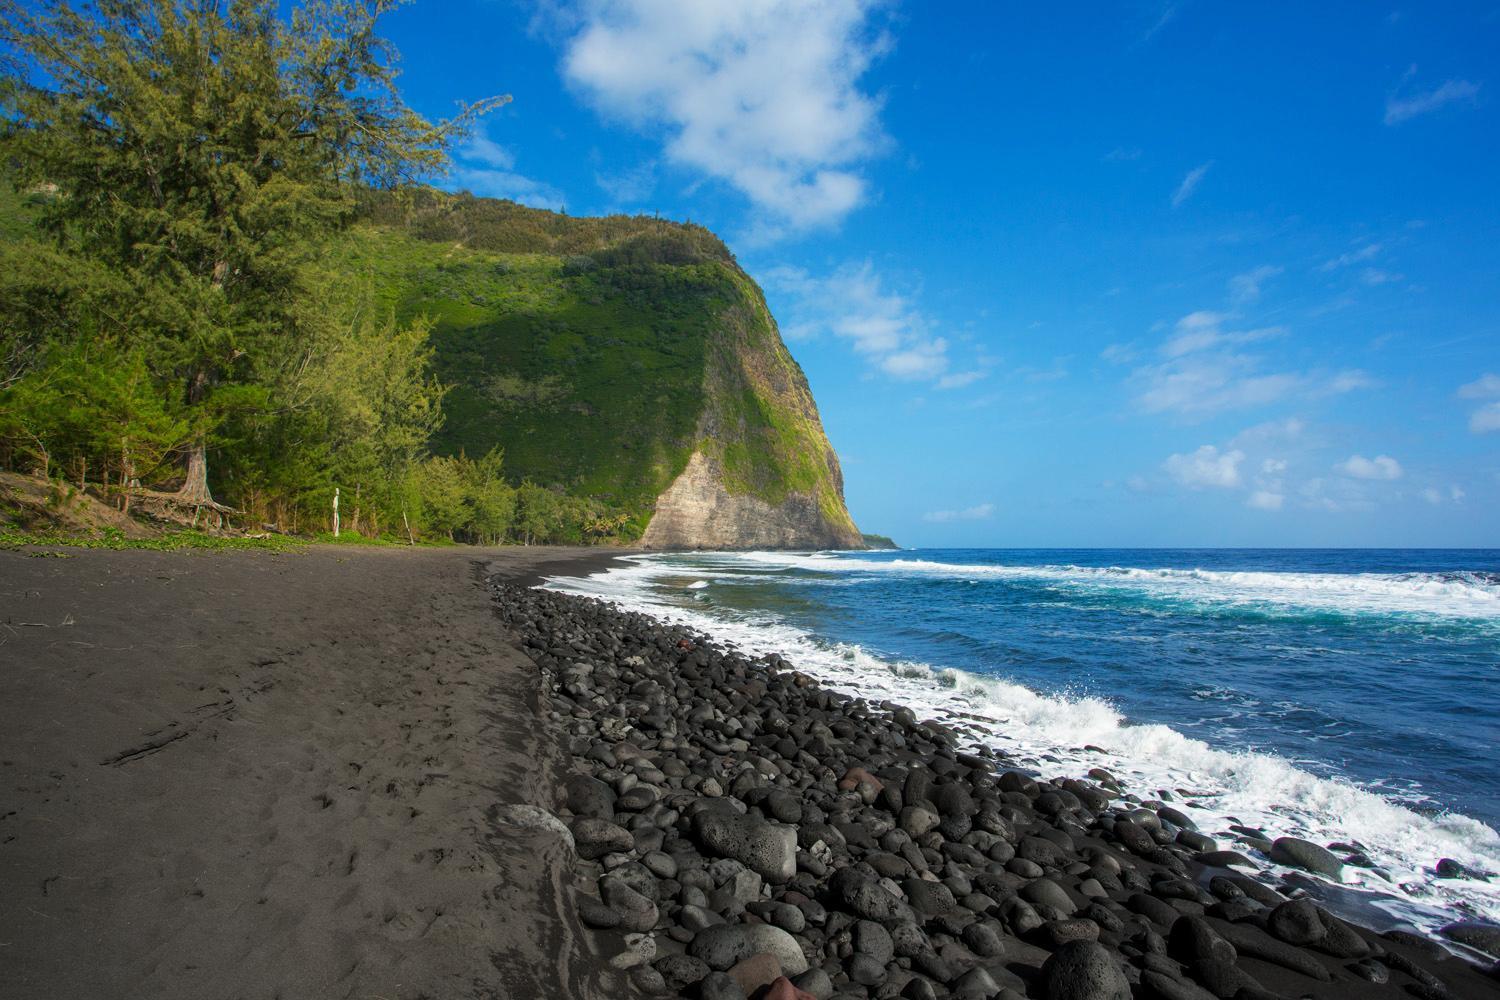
(627, 359)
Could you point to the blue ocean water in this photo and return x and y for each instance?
(1345, 695)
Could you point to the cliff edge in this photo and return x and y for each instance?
(626, 359)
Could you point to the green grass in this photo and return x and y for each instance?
(175, 541)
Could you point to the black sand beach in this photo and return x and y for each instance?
(288, 775)
(373, 773)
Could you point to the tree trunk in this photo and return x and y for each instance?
(195, 486)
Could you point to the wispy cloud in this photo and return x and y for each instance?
(1358, 256)
(1487, 417)
(1265, 500)
(1207, 467)
(1399, 108)
(629, 187)
(1123, 154)
(1349, 381)
(1246, 288)
(1201, 330)
(1483, 387)
(958, 380)
(1164, 16)
(883, 326)
(1203, 374)
(764, 96)
(1455, 494)
(1190, 184)
(486, 168)
(1381, 467)
(979, 512)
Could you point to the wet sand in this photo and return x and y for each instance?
(252, 774)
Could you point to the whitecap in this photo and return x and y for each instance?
(1049, 732)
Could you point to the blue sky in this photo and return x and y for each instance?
(1120, 274)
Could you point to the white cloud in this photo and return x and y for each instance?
(882, 326)
(761, 95)
(1487, 417)
(1400, 109)
(980, 512)
(1379, 467)
(1349, 381)
(1202, 330)
(631, 186)
(1375, 277)
(1367, 252)
(1270, 432)
(958, 380)
(1120, 354)
(1483, 387)
(1202, 376)
(922, 360)
(1246, 287)
(484, 167)
(1265, 500)
(1435, 496)
(1335, 496)
(1206, 467)
(1197, 386)
(1190, 184)
(1273, 466)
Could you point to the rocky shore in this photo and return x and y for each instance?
(742, 833)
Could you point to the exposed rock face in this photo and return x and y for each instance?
(699, 512)
(763, 474)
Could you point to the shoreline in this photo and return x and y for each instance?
(1175, 905)
(1156, 726)
(344, 772)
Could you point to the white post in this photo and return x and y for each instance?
(335, 512)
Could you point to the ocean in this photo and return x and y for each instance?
(1343, 696)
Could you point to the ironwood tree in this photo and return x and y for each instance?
(194, 152)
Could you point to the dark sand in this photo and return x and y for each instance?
(287, 775)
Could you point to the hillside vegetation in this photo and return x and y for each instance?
(221, 293)
(598, 354)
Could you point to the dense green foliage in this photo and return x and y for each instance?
(174, 171)
(214, 267)
(599, 353)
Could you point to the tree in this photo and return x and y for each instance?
(90, 409)
(197, 149)
(537, 512)
(492, 501)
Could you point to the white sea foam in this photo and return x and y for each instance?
(1049, 733)
(1462, 595)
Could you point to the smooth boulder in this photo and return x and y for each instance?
(1297, 853)
(725, 945)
